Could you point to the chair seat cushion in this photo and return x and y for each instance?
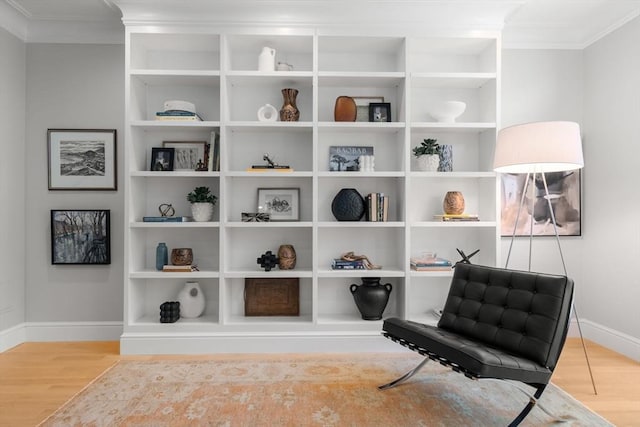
(474, 357)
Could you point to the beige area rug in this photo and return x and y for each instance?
(304, 390)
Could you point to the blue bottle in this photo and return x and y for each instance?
(162, 256)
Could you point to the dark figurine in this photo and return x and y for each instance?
(267, 159)
(169, 312)
(268, 260)
(465, 258)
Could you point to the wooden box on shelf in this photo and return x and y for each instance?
(272, 297)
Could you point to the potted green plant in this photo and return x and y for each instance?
(202, 203)
(428, 155)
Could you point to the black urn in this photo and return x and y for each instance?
(348, 205)
(371, 297)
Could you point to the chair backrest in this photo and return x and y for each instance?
(521, 312)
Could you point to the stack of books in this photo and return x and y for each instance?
(167, 219)
(377, 207)
(341, 264)
(430, 264)
(460, 217)
(178, 115)
(179, 268)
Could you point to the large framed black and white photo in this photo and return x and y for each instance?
(282, 204)
(564, 193)
(80, 236)
(82, 159)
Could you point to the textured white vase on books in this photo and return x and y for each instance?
(202, 211)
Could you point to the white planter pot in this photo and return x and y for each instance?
(428, 163)
(202, 211)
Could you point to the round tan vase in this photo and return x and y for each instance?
(453, 203)
(286, 257)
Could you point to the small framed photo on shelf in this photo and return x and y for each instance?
(188, 155)
(162, 159)
(380, 112)
(80, 236)
(82, 159)
(346, 158)
(362, 106)
(282, 204)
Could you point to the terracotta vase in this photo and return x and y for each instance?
(289, 111)
(453, 203)
(345, 109)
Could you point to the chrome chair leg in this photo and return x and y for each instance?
(404, 377)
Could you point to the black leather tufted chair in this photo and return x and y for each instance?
(496, 323)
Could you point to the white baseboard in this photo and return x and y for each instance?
(607, 337)
(73, 331)
(59, 331)
(11, 337)
(149, 344)
(140, 343)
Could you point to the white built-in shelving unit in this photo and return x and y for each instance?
(217, 71)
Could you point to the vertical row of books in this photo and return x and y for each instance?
(377, 207)
(213, 152)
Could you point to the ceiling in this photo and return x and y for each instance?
(572, 24)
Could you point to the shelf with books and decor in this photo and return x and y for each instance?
(276, 180)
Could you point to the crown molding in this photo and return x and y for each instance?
(13, 21)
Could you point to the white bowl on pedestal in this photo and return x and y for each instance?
(448, 111)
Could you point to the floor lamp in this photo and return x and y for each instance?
(535, 149)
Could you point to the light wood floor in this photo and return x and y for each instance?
(37, 378)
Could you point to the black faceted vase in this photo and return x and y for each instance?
(348, 205)
(371, 297)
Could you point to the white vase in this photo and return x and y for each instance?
(267, 59)
(191, 300)
(202, 211)
(428, 162)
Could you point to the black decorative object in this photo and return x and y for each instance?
(371, 297)
(169, 312)
(267, 261)
(348, 205)
(465, 258)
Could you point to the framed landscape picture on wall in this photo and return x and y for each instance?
(82, 159)
(80, 236)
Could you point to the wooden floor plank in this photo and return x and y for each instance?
(37, 378)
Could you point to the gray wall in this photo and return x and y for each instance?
(612, 148)
(600, 89)
(72, 86)
(545, 85)
(12, 186)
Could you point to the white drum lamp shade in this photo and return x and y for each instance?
(539, 147)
